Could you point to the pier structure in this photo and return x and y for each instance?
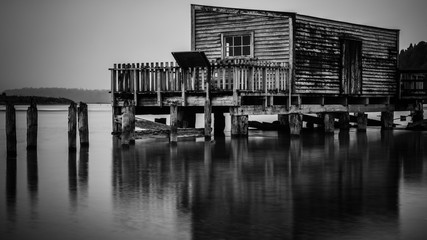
(260, 62)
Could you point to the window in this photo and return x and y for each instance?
(237, 45)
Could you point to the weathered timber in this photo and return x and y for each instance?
(72, 126)
(173, 124)
(83, 124)
(295, 124)
(329, 122)
(387, 120)
(208, 119)
(32, 125)
(126, 133)
(362, 121)
(344, 121)
(219, 124)
(239, 125)
(10, 130)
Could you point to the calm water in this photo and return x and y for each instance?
(347, 186)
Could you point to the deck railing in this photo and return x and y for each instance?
(413, 83)
(227, 75)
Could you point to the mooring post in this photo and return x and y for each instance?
(132, 121)
(344, 121)
(387, 120)
(173, 137)
(72, 126)
(126, 125)
(239, 125)
(418, 113)
(283, 121)
(10, 130)
(362, 121)
(32, 124)
(219, 123)
(329, 122)
(208, 107)
(295, 124)
(83, 124)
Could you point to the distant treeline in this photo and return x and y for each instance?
(75, 94)
(26, 100)
(415, 57)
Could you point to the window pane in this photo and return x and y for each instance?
(246, 50)
(246, 40)
(229, 41)
(237, 51)
(237, 41)
(230, 50)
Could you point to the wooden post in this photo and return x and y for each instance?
(387, 120)
(173, 137)
(219, 123)
(344, 121)
(329, 121)
(283, 121)
(132, 121)
(295, 124)
(126, 125)
(239, 125)
(362, 121)
(208, 107)
(72, 125)
(32, 124)
(83, 125)
(10, 130)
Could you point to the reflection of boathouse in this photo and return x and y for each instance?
(265, 62)
(315, 186)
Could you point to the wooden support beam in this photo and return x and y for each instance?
(173, 137)
(32, 125)
(387, 120)
(83, 124)
(126, 133)
(239, 125)
(208, 119)
(283, 121)
(344, 121)
(295, 124)
(329, 122)
(362, 121)
(72, 126)
(219, 124)
(10, 130)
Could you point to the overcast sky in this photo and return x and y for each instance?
(72, 43)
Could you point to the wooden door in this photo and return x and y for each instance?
(351, 67)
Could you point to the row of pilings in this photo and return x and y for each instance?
(77, 118)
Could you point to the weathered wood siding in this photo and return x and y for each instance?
(318, 56)
(271, 33)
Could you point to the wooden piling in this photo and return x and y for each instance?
(295, 124)
(83, 124)
(329, 122)
(219, 123)
(362, 121)
(208, 119)
(283, 121)
(72, 126)
(32, 125)
(239, 125)
(173, 137)
(126, 133)
(344, 121)
(387, 120)
(10, 130)
(418, 113)
(132, 122)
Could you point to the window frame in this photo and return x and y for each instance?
(237, 34)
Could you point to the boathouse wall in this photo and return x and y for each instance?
(319, 57)
(270, 34)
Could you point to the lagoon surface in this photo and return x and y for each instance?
(352, 185)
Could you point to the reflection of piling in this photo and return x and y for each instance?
(83, 124)
(11, 187)
(32, 124)
(10, 130)
(72, 125)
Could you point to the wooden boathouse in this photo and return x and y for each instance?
(253, 62)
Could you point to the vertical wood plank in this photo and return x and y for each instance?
(32, 125)
(10, 130)
(72, 125)
(83, 124)
(173, 137)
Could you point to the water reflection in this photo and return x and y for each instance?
(32, 180)
(313, 186)
(72, 178)
(83, 173)
(11, 188)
